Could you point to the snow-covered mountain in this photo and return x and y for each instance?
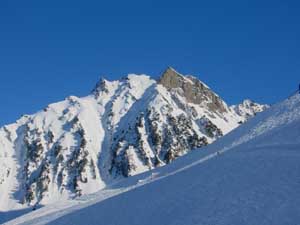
(250, 176)
(123, 128)
(248, 108)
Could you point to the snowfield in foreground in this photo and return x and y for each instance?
(251, 176)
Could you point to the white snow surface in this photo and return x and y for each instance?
(250, 176)
(248, 108)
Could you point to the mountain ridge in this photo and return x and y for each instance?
(123, 128)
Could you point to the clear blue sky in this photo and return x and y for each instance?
(53, 49)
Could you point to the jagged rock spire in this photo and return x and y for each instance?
(170, 78)
(194, 90)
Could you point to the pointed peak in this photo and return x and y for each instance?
(170, 78)
(170, 68)
(171, 72)
(100, 86)
(101, 79)
(190, 87)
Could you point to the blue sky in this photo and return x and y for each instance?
(53, 49)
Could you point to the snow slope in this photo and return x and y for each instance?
(251, 176)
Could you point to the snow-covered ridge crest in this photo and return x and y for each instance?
(249, 108)
(124, 127)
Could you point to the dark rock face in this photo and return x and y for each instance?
(192, 89)
(208, 128)
(44, 162)
(100, 86)
(175, 138)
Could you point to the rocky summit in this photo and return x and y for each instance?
(193, 90)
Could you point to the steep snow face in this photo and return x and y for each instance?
(56, 153)
(125, 127)
(251, 176)
(52, 154)
(247, 109)
(155, 132)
